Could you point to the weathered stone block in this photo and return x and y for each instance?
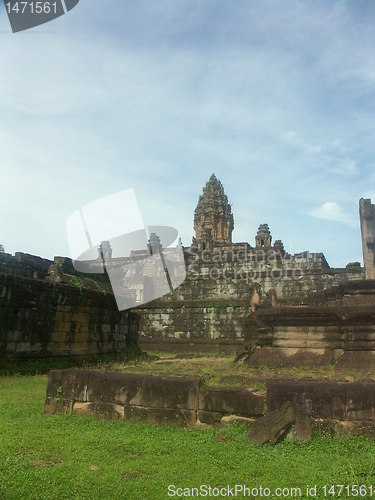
(166, 392)
(102, 410)
(74, 384)
(268, 356)
(320, 399)
(209, 417)
(272, 426)
(361, 427)
(237, 400)
(303, 425)
(23, 347)
(113, 387)
(143, 390)
(355, 361)
(54, 383)
(360, 401)
(57, 405)
(160, 415)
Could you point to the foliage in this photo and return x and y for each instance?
(76, 281)
(220, 306)
(79, 283)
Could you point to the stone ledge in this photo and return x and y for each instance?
(323, 399)
(160, 415)
(156, 399)
(179, 400)
(279, 356)
(231, 400)
(102, 410)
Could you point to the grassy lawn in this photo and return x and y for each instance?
(67, 456)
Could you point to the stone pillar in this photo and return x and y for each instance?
(367, 218)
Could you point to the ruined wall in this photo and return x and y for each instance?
(154, 399)
(42, 319)
(367, 218)
(179, 400)
(337, 327)
(23, 264)
(207, 311)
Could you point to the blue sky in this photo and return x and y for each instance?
(276, 98)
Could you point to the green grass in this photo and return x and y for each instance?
(45, 457)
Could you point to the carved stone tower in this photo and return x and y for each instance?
(367, 217)
(154, 245)
(263, 239)
(213, 213)
(105, 251)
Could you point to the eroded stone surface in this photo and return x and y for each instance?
(239, 401)
(321, 399)
(102, 410)
(272, 426)
(160, 415)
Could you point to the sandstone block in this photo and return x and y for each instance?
(289, 357)
(272, 426)
(209, 417)
(360, 401)
(57, 405)
(160, 415)
(237, 400)
(74, 384)
(102, 410)
(54, 383)
(143, 390)
(319, 399)
(355, 361)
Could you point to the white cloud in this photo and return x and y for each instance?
(330, 155)
(334, 212)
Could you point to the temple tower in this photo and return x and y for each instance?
(214, 214)
(263, 239)
(105, 251)
(367, 218)
(154, 245)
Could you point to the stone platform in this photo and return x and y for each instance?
(182, 400)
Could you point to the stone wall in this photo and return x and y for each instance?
(331, 406)
(43, 319)
(223, 286)
(207, 311)
(23, 264)
(154, 399)
(336, 327)
(178, 400)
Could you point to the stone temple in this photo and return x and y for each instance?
(284, 308)
(226, 280)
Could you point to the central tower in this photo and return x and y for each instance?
(213, 213)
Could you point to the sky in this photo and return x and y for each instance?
(275, 98)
